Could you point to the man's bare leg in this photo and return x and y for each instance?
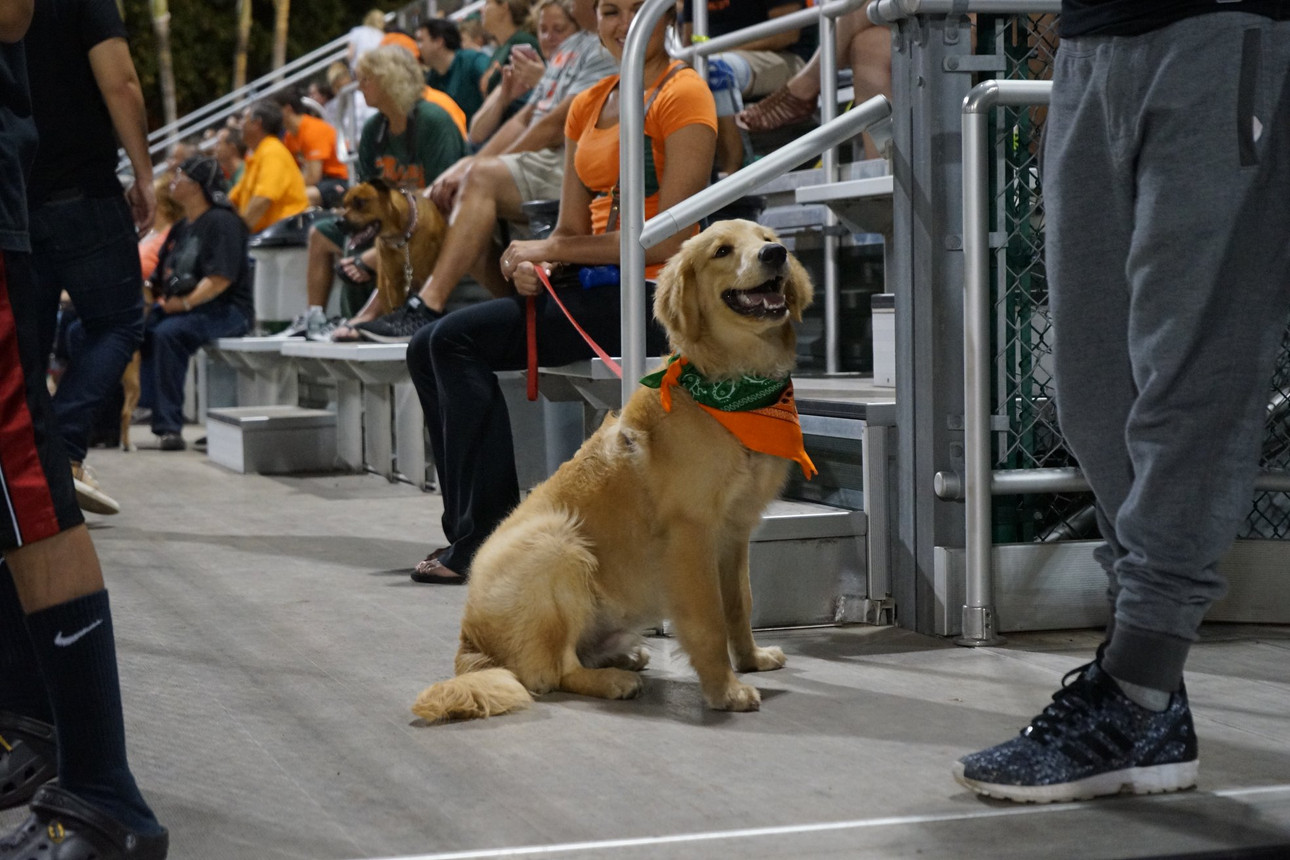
(487, 194)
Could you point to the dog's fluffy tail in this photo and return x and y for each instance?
(472, 696)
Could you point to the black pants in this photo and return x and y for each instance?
(453, 364)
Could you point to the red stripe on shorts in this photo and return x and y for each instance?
(27, 506)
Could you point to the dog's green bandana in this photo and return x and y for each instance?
(749, 392)
(760, 412)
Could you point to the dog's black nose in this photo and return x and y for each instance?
(773, 254)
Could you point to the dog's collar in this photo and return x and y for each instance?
(412, 221)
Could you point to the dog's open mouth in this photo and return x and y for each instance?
(360, 236)
(764, 301)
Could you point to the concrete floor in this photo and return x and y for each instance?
(271, 642)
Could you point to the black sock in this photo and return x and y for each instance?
(73, 642)
(21, 689)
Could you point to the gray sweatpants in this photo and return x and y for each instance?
(1167, 188)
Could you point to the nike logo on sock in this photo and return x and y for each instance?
(63, 641)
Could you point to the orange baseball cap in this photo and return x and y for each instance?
(403, 40)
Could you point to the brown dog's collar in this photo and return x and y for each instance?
(412, 221)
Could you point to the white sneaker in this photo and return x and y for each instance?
(323, 331)
(301, 326)
(88, 494)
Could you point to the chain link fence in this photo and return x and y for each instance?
(1023, 384)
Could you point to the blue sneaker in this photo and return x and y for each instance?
(1090, 742)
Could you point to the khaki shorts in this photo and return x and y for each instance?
(770, 70)
(538, 175)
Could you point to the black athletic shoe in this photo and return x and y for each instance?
(400, 325)
(171, 442)
(1091, 741)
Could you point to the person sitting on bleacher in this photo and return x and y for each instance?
(449, 67)
(555, 23)
(314, 144)
(861, 43)
(203, 288)
(755, 69)
(523, 161)
(272, 187)
(408, 143)
(453, 362)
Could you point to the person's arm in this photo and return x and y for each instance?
(520, 259)
(207, 288)
(15, 18)
(312, 170)
(512, 130)
(254, 210)
(119, 83)
(518, 77)
(547, 132)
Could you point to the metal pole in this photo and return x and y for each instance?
(631, 179)
(978, 610)
(829, 110)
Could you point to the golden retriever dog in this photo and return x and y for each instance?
(650, 519)
(407, 228)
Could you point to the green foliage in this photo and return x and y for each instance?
(203, 39)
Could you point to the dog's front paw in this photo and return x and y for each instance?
(737, 697)
(762, 660)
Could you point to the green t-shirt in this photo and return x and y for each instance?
(503, 54)
(427, 147)
(461, 81)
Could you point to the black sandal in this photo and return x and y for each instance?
(28, 758)
(64, 827)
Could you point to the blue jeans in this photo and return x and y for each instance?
(169, 341)
(88, 247)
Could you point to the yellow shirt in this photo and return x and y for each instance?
(271, 171)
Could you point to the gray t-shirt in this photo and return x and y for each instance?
(579, 63)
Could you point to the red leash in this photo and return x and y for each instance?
(530, 326)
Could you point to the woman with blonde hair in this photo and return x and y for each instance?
(407, 143)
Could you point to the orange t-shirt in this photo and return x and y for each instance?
(315, 141)
(448, 103)
(684, 100)
(271, 172)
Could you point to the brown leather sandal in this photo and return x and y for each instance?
(777, 110)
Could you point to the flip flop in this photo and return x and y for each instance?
(432, 571)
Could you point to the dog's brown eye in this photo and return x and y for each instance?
(723, 251)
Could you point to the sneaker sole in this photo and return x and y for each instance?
(1158, 779)
(94, 501)
(384, 338)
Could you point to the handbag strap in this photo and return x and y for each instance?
(675, 67)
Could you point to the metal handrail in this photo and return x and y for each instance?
(978, 607)
(883, 12)
(736, 185)
(299, 69)
(808, 17)
(634, 237)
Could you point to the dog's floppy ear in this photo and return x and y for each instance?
(676, 301)
(380, 184)
(797, 289)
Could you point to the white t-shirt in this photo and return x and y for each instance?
(363, 39)
(579, 62)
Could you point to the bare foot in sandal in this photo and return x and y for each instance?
(780, 108)
(432, 571)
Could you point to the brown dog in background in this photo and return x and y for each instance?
(650, 519)
(407, 227)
